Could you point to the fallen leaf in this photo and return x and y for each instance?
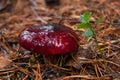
(4, 61)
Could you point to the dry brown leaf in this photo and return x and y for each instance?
(4, 61)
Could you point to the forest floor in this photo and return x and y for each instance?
(17, 63)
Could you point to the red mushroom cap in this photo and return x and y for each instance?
(49, 39)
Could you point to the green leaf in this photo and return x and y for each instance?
(88, 33)
(85, 18)
(84, 25)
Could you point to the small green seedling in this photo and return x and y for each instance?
(85, 23)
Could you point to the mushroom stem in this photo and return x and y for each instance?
(48, 59)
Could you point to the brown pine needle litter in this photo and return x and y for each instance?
(88, 63)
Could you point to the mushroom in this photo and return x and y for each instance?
(49, 40)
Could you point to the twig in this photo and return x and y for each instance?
(6, 71)
(99, 70)
(88, 61)
(96, 70)
(25, 71)
(62, 18)
(111, 43)
(33, 2)
(38, 17)
(86, 77)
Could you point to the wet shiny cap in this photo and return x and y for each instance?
(49, 39)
